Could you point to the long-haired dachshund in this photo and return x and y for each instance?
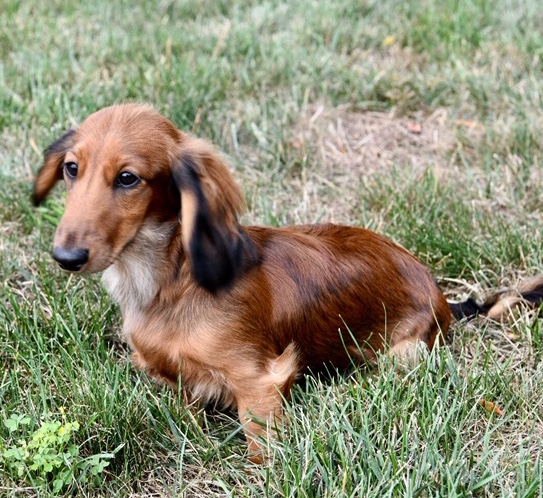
(237, 312)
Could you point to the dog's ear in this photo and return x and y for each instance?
(51, 169)
(218, 248)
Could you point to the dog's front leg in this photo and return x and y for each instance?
(261, 415)
(259, 398)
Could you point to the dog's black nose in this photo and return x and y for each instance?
(71, 259)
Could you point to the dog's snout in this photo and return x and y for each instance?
(71, 259)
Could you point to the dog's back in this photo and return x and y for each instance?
(341, 294)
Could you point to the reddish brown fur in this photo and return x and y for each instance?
(237, 312)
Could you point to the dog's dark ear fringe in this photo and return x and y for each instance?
(218, 253)
(51, 171)
(60, 144)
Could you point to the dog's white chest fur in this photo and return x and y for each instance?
(132, 281)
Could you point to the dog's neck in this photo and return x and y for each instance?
(134, 279)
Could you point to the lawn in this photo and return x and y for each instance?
(420, 120)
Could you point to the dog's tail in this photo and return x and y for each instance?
(498, 304)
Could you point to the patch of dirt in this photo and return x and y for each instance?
(347, 147)
(356, 144)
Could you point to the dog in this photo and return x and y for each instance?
(236, 312)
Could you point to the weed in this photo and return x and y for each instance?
(47, 457)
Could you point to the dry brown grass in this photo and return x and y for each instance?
(343, 148)
(348, 144)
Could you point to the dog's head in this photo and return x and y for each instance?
(127, 167)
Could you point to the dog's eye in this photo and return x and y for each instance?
(127, 180)
(71, 169)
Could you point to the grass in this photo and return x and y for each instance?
(312, 101)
